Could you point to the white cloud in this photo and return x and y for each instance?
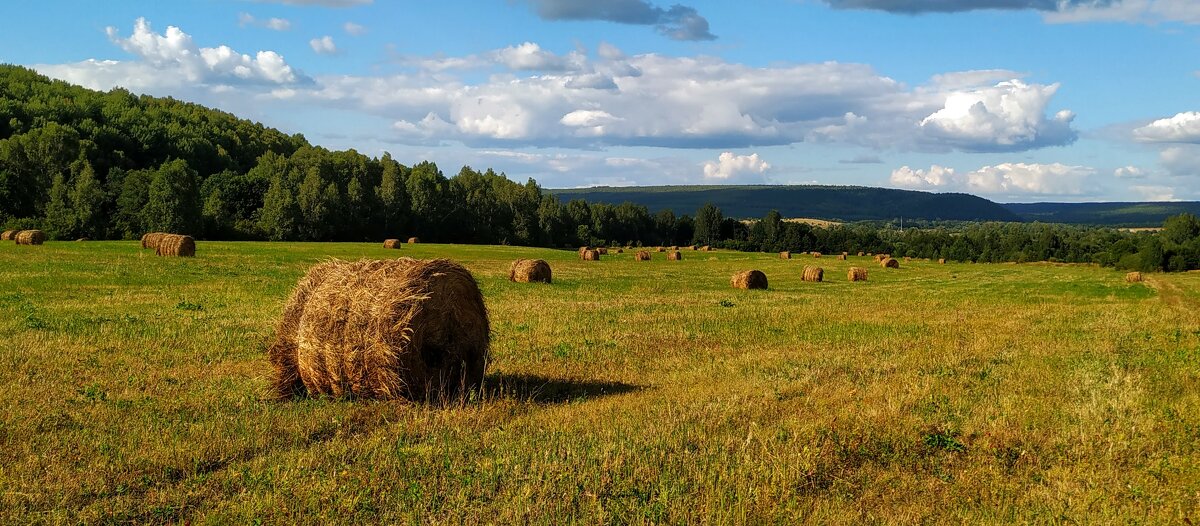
(353, 29)
(1130, 172)
(323, 45)
(1001, 180)
(1183, 127)
(1009, 116)
(531, 57)
(920, 179)
(1181, 161)
(1134, 11)
(1154, 192)
(276, 24)
(729, 168)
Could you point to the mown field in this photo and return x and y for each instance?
(133, 389)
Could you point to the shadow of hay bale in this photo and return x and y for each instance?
(545, 390)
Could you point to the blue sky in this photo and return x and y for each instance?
(1028, 100)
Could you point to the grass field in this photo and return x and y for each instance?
(133, 389)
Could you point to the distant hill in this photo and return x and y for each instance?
(837, 203)
(1108, 214)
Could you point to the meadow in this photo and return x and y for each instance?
(134, 389)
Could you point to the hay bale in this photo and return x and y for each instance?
(673, 247)
(398, 328)
(857, 274)
(414, 240)
(391, 243)
(860, 254)
(82, 239)
(706, 248)
(660, 249)
(813, 274)
(174, 245)
(150, 240)
(620, 251)
(590, 255)
(674, 255)
(816, 255)
(30, 237)
(1133, 277)
(692, 247)
(841, 257)
(603, 251)
(907, 259)
(889, 263)
(642, 255)
(870, 253)
(749, 279)
(941, 261)
(785, 255)
(529, 271)
(8, 235)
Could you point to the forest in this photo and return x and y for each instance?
(79, 163)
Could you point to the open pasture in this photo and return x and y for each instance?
(134, 388)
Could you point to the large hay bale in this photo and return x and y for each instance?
(8, 235)
(642, 255)
(857, 274)
(175, 245)
(1133, 277)
(391, 243)
(749, 279)
(30, 237)
(785, 255)
(674, 255)
(150, 240)
(590, 255)
(398, 328)
(414, 240)
(529, 271)
(889, 263)
(813, 274)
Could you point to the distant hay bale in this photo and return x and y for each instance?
(30, 237)
(941, 261)
(870, 253)
(673, 247)
(660, 249)
(150, 240)
(530, 271)
(386, 329)
(785, 255)
(844, 253)
(857, 274)
(706, 248)
(603, 251)
(590, 255)
(860, 254)
(749, 279)
(174, 245)
(907, 259)
(841, 257)
(620, 251)
(816, 255)
(391, 243)
(642, 255)
(692, 247)
(82, 239)
(813, 274)
(889, 263)
(1133, 277)
(414, 240)
(8, 235)
(674, 255)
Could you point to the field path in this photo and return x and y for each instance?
(1172, 294)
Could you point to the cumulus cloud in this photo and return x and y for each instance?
(1183, 128)
(323, 45)
(1010, 116)
(276, 24)
(1001, 180)
(862, 159)
(174, 52)
(729, 168)
(1130, 172)
(1154, 192)
(1181, 161)
(353, 29)
(678, 22)
(531, 57)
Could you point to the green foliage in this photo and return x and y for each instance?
(173, 203)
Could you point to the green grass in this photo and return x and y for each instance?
(132, 389)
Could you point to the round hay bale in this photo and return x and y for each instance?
(692, 247)
(907, 259)
(174, 245)
(870, 253)
(749, 279)
(889, 263)
(673, 247)
(82, 239)
(590, 255)
(603, 251)
(785, 255)
(816, 255)
(620, 251)
(30, 237)
(841, 257)
(398, 328)
(857, 274)
(674, 255)
(529, 271)
(860, 254)
(706, 248)
(660, 249)
(642, 255)
(1133, 277)
(391, 243)
(150, 240)
(844, 253)
(813, 274)
(414, 240)
(941, 261)
(8, 235)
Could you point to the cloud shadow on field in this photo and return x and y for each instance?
(545, 390)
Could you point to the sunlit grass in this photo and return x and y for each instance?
(133, 390)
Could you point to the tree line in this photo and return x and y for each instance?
(113, 165)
